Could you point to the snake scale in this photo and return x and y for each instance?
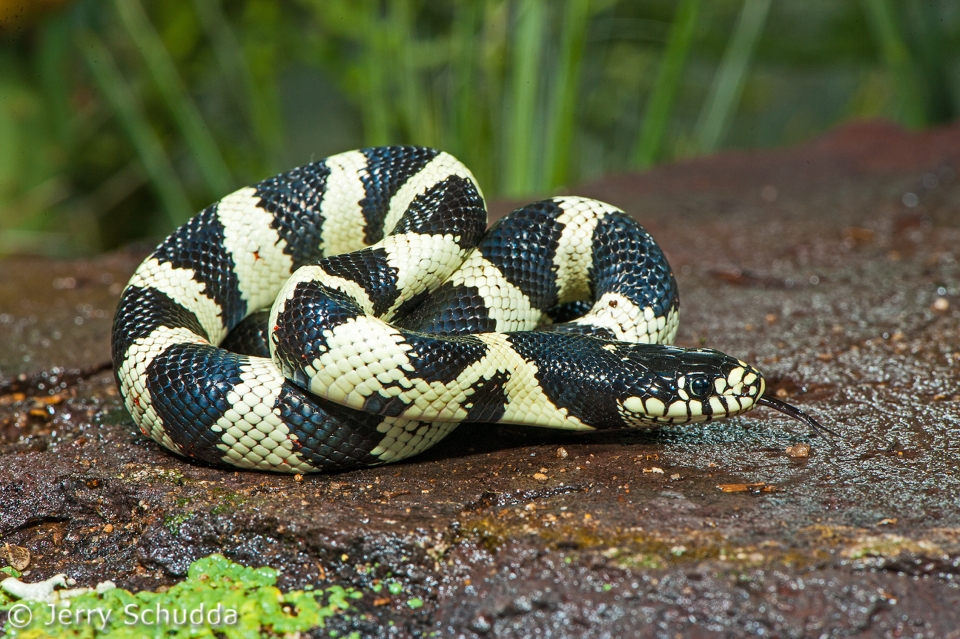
(355, 310)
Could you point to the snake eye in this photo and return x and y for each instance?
(700, 387)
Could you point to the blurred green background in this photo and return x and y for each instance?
(120, 118)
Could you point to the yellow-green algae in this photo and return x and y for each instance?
(260, 609)
(635, 548)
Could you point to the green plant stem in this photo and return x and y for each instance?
(373, 105)
(727, 87)
(886, 31)
(418, 111)
(195, 132)
(261, 112)
(521, 119)
(464, 111)
(664, 94)
(132, 119)
(559, 137)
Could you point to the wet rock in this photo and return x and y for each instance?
(833, 267)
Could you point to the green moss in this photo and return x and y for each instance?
(885, 546)
(10, 571)
(173, 522)
(641, 561)
(229, 601)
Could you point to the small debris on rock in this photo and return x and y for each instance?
(108, 528)
(16, 557)
(854, 235)
(562, 453)
(39, 591)
(798, 450)
(889, 521)
(653, 469)
(540, 477)
(759, 487)
(940, 305)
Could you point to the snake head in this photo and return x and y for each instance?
(688, 386)
(701, 385)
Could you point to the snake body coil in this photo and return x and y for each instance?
(368, 313)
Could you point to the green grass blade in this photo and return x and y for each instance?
(417, 111)
(135, 123)
(373, 105)
(519, 144)
(260, 111)
(662, 98)
(51, 63)
(464, 110)
(727, 87)
(934, 58)
(486, 156)
(195, 132)
(559, 137)
(886, 31)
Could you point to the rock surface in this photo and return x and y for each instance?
(833, 267)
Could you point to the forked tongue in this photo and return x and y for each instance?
(785, 408)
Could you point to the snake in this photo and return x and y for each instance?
(353, 311)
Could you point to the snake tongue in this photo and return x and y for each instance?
(796, 413)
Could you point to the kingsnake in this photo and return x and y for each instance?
(392, 317)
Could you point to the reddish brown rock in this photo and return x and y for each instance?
(833, 267)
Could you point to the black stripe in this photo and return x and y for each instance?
(295, 199)
(569, 311)
(580, 329)
(298, 336)
(327, 435)
(452, 206)
(251, 336)
(434, 360)
(522, 246)
(489, 398)
(627, 261)
(388, 168)
(198, 245)
(140, 312)
(576, 373)
(371, 269)
(407, 307)
(451, 310)
(188, 386)
(443, 359)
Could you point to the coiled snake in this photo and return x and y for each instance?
(367, 313)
